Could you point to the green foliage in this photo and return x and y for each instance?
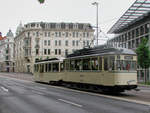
(143, 55)
(47, 57)
(41, 1)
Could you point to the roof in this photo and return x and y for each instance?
(138, 10)
(101, 50)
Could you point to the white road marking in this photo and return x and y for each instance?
(69, 102)
(6, 90)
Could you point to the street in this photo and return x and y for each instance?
(20, 96)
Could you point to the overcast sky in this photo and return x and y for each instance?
(15, 11)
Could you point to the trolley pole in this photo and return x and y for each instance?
(96, 4)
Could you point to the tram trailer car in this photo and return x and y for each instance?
(106, 69)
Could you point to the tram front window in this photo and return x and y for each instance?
(126, 65)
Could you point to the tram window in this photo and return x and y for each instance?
(72, 65)
(49, 67)
(46, 66)
(120, 65)
(94, 64)
(42, 68)
(67, 65)
(111, 63)
(86, 64)
(133, 65)
(126, 65)
(105, 63)
(35, 68)
(61, 67)
(100, 63)
(55, 67)
(78, 64)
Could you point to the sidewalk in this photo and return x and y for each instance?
(22, 76)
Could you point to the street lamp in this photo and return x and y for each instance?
(96, 4)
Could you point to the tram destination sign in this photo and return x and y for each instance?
(128, 57)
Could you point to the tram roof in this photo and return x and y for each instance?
(138, 10)
(101, 50)
(50, 60)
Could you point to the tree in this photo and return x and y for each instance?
(41, 1)
(143, 56)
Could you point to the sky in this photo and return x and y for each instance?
(82, 11)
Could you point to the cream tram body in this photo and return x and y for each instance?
(110, 71)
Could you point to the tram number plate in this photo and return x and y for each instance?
(128, 57)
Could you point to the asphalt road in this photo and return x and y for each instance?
(18, 96)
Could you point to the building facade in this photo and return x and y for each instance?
(131, 28)
(7, 53)
(40, 40)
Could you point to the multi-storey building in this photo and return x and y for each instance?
(131, 28)
(7, 52)
(40, 40)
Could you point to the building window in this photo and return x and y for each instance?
(77, 34)
(77, 43)
(56, 34)
(83, 43)
(88, 43)
(66, 52)
(71, 26)
(7, 51)
(53, 25)
(73, 43)
(87, 34)
(45, 51)
(137, 32)
(45, 42)
(28, 34)
(7, 58)
(59, 34)
(59, 42)
(55, 51)
(55, 42)
(45, 34)
(49, 51)
(66, 34)
(146, 28)
(141, 30)
(49, 34)
(66, 42)
(133, 33)
(49, 42)
(37, 34)
(73, 34)
(63, 25)
(84, 34)
(37, 51)
(59, 51)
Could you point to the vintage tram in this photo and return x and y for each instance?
(104, 68)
